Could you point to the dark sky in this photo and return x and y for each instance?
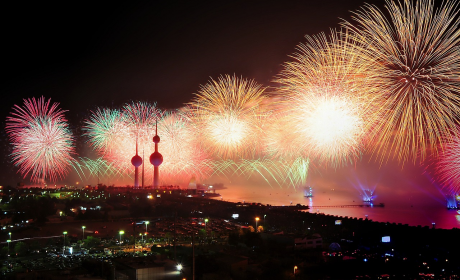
(85, 55)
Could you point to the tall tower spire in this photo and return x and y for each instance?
(156, 159)
(136, 161)
(143, 167)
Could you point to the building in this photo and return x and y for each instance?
(308, 242)
(144, 269)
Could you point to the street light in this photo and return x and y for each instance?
(121, 232)
(142, 236)
(264, 220)
(257, 220)
(205, 225)
(8, 241)
(146, 224)
(295, 268)
(63, 251)
(83, 229)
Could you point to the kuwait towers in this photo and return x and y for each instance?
(156, 159)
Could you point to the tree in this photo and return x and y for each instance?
(91, 242)
(4, 251)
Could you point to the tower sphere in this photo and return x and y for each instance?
(156, 139)
(156, 159)
(136, 161)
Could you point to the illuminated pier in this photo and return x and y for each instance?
(350, 206)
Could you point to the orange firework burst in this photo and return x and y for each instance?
(229, 112)
(416, 57)
(327, 99)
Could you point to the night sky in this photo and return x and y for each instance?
(103, 55)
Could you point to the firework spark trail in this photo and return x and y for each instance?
(448, 166)
(416, 54)
(42, 143)
(274, 171)
(229, 112)
(297, 171)
(328, 101)
(141, 117)
(279, 140)
(86, 167)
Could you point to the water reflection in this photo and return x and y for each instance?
(411, 207)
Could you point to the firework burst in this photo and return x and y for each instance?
(179, 144)
(416, 57)
(140, 118)
(327, 101)
(229, 112)
(42, 142)
(103, 129)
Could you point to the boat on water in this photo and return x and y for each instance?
(308, 192)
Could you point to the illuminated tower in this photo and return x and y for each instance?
(156, 159)
(143, 168)
(136, 161)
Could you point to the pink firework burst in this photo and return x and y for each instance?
(42, 142)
